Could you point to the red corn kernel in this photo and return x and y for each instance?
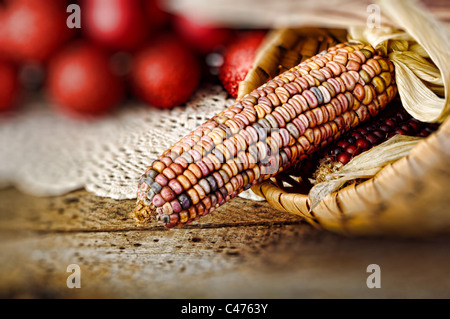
(362, 143)
(399, 131)
(351, 140)
(423, 133)
(405, 127)
(343, 144)
(401, 116)
(352, 150)
(344, 158)
(372, 138)
(356, 134)
(362, 130)
(390, 122)
(414, 126)
(380, 134)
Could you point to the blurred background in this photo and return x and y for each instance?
(88, 56)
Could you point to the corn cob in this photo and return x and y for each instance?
(363, 138)
(266, 132)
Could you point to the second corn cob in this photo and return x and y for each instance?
(363, 138)
(269, 130)
(386, 125)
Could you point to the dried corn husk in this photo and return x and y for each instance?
(419, 80)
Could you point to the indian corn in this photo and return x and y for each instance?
(361, 139)
(266, 132)
(376, 132)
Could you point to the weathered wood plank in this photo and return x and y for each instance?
(83, 211)
(242, 251)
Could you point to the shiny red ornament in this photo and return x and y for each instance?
(115, 24)
(32, 30)
(3, 45)
(201, 35)
(238, 60)
(9, 87)
(81, 83)
(165, 73)
(156, 13)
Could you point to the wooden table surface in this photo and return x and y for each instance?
(245, 249)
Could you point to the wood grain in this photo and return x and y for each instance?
(243, 250)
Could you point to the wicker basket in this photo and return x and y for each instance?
(406, 198)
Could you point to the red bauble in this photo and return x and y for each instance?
(115, 24)
(165, 73)
(238, 60)
(9, 86)
(81, 83)
(33, 31)
(201, 35)
(156, 15)
(3, 44)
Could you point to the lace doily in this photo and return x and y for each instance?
(45, 154)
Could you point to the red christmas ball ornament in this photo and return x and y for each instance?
(3, 46)
(115, 24)
(80, 81)
(9, 87)
(201, 35)
(165, 73)
(33, 31)
(156, 14)
(238, 60)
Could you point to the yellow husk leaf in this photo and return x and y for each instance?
(423, 85)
